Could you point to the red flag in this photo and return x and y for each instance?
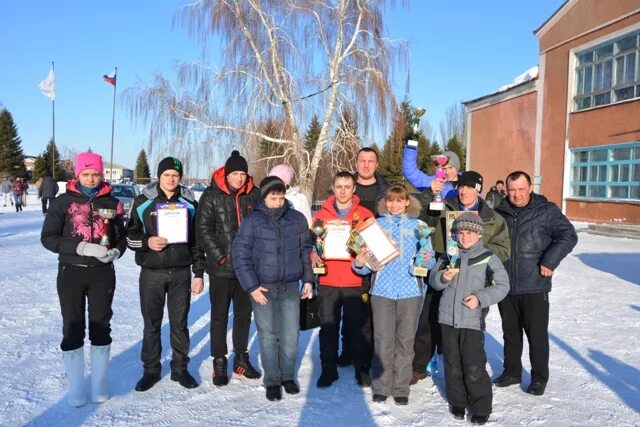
(110, 78)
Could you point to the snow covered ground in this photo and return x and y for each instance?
(594, 332)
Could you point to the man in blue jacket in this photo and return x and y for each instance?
(541, 237)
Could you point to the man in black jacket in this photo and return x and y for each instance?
(541, 237)
(47, 191)
(165, 273)
(230, 197)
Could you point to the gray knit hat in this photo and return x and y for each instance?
(468, 221)
(454, 160)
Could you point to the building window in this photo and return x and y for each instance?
(608, 73)
(610, 172)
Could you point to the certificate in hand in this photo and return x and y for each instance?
(335, 240)
(381, 247)
(173, 222)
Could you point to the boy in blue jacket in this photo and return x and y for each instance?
(480, 282)
(271, 255)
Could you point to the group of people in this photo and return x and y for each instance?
(255, 245)
(16, 192)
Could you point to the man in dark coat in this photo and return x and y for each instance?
(47, 191)
(165, 272)
(230, 197)
(541, 237)
(496, 194)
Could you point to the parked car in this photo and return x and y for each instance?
(198, 187)
(126, 193)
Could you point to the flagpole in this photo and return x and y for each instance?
(113, 121)
(53, 121)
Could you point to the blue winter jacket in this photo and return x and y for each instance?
(272, 248)
(395, 280)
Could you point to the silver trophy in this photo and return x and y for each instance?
(415, 122)
(106, 215)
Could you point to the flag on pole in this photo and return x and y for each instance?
(110, 78)
(47, 86)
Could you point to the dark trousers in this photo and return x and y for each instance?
(77, 286)
(528, 313)
(221, 293)
(428, 332)
(367, 334)
(335, 303)
(465, 369)
(45, 203)
(156, 286)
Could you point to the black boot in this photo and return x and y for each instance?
(274, 393)
(506, 380)
(363, 379)
(220, 376)
(242, 366)
(536, 388)
(457, 412)
(184, 378)
(147, 381)
(290, 387)
(328, 376)
(479, 419)
(344, 359)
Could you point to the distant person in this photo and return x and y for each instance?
(496, 195)
(6, 190)
(541, 237)
(17, 190)
(165, 273)
(396, 296)
(87, 241)
(298, 200)
(466, 294)
(25, 191)
(47, 191)
(230, 197)
(271, 256)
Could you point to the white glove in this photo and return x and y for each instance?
(110, 256)
(91, 249)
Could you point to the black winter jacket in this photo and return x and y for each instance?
(73, 218)
(272, 248)
(48, 188)
(143, 224)
(540, 235)
(381, 187)
(220, 212)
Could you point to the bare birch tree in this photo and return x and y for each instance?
(454, 124)
(281, 60)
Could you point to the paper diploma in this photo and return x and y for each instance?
(377, 242)
(173, 222)
(335, 240)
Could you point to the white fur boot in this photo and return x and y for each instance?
(99, 364)
(74, 366)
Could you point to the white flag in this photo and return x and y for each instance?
(47, 86)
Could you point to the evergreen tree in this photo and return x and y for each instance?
(11, 155)
(312, 135)
(456, 146)
(50, 156)
(142, 172)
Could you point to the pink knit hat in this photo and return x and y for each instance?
(284, 172)
(88, 161)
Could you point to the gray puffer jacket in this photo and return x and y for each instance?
(481, 274)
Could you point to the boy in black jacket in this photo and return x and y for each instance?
(165, 273)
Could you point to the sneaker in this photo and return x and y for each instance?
(457, 412)
(363, 379)
(274, 393)
(536, 388)
(290, 387)
(327, 377)
(344, 360)
(147, 381)
(417, 376)
(220, 377)
(505, 380)
(184, 378)
(379, 398)
(479, 419)
(242, 366)
(401, 400)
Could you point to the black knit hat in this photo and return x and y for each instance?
(468, 221)
(471, 179)
(235, 163)
(169, 163)
(271, 183)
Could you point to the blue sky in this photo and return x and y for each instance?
(460, 50)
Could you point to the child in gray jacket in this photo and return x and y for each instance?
(469, 290)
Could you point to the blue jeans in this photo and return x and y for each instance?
(278, 323)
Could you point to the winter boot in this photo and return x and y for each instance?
(274, 393)
(328, 376)
(99, 363)
(148, 380)
(291, 387)
(74, 367)
(184, 378)
(242, 366)
(506, 380)
(220, 376)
